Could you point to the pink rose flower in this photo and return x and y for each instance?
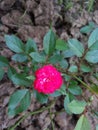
(48, 79)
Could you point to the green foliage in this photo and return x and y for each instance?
(76, 47)
(66, 102)
(61, 91)
(61, 45)
(85, 68)
(97, 127)
(38, 57)
(83, 123)
(74, 88)
(19, 101)
(3, 62)
(68, 53)
(88, 28)
(56, 58)
(71, 58)
(93, 38)
(92, 56)
(69, 97)
(30, 46)
(1, 73)
(19, 57)
(55, 94)
(77, 107)
(64, 64)
(14, 43)
(49, 42)
(11, 72)
(20, 79)
(94, 46)
(73, 68)
(42, 98)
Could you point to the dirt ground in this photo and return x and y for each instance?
(32, 18)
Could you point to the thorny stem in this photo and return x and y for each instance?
(31, 113)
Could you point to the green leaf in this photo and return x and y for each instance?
(67, 100)
(93, 38)
(77, 107)
(97, 127)
(56, 58)
(83, 123)
(94, 46)
(92, 24)
(11, 72)
(62, 90)
(92, 56)
(96, 114)
(68, 53)
(61, 45)
(64, 64)
(1, 73)
(14, 43)
(85, 68)
(67, 77)
(42, 98)
(3, 62)
(30, 46)
(31, 77)
(55, 94)
(76, 46)
(20, 79)
(38, 57)
(87, 29)
(19, 102)
(73, 68)
(49, 42)
(75, 90)
(19, 57)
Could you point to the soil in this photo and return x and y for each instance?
(32, 18)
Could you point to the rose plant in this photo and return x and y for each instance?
(58, 69)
